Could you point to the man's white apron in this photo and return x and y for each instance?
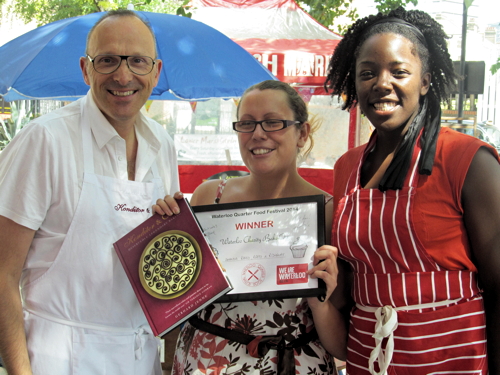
(82, 316)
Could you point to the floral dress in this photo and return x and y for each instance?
(199, 352)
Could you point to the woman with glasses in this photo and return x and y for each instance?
(272, 128)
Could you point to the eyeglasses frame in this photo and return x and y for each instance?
(122, 57)
(286, 124)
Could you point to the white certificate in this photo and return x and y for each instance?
(266, 246)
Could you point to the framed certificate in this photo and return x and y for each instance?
(267, 246)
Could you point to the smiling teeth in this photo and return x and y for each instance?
(261, 151)
(122, 93)
(385, 106)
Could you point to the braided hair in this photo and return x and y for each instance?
(433, 53)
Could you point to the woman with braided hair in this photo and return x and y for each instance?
(416, 209)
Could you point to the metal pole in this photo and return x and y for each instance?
(461, 86)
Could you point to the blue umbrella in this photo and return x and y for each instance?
(199, 62)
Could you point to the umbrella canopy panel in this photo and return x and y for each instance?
(199, 62)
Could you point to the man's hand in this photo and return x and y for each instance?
(168, 205)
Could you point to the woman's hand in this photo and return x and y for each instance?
(325, 268)
(329, 322)
(168, 205)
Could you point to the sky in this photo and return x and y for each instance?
(488, 10)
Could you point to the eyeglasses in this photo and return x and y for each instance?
(107, 64)
(248, 126)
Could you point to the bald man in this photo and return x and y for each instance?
(72, 183)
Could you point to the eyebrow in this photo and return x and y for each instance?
(270, 115)
(397, 62)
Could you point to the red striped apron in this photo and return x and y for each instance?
(412, 316)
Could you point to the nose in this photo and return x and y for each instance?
(383, 82)
(259, 132)
(123, 75)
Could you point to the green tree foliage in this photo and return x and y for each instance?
(46, 11)
(385, 6)
(326, 11)
(495, 67)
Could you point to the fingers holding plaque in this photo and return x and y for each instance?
(170, 264)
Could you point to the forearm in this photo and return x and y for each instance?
(13, 350)
(15, 242)
(331, 328)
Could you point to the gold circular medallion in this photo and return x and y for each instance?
(170, 264)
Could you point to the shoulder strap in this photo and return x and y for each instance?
(220, 189)
(342, 170)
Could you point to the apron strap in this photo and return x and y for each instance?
(141, 334)
(155, 172)
(88, 152)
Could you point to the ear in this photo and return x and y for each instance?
(304, 132)
(426, 83)
(158, 65)
(83, 67)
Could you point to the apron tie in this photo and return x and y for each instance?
(258, 346)
(140, 340)
(387, 323)
(141, 336)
